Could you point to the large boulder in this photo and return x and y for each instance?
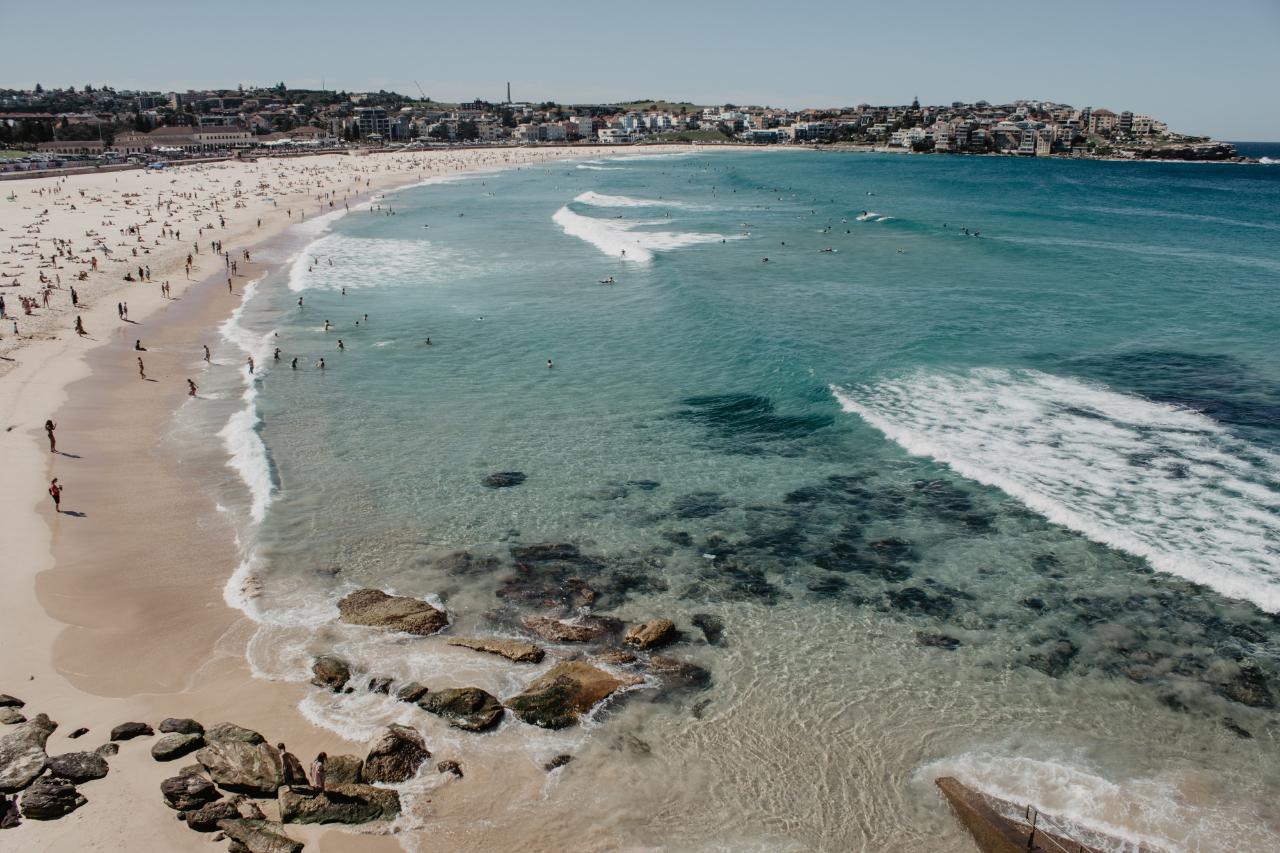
(467, 708)
(175, 745)
(7, 701)
(50, 799)
(78, 767)
(651, 634)
(22, 755)
(395, 756)
(338, 804)
(258, 836)
(411, 692)
(11, 716)
(180, 726)
(243, 768)
(330, 672)
(129, 731)
(399, 613)
(555, 631)
(343, 770)
(187, 791)
(513, 650)
(230, 731)
(205, 818)
(564, 693)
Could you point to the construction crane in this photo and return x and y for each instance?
(424, 94)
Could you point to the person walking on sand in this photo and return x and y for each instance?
(55, 492)
(317, 768)
(191, 388)
(142, 371)
(294, 775)
(80, 327)
(49, 427)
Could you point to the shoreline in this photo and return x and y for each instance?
(119, 614)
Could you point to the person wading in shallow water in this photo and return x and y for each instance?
(49, 427)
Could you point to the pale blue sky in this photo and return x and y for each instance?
(1210, 68)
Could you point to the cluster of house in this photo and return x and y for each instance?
(201, 122)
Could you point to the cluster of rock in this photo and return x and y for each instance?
(236, 772)
(556, 699)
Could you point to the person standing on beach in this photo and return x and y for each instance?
(80, 327)
(142, 371)
(55, 492)
(49, 427)
(191, 388)
(293, 773)
(317, 767)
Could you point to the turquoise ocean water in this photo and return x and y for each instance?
(979, 472)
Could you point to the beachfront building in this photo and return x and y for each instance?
(82, 147)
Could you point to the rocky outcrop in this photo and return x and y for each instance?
(239, 760)
(7, 701)
(651, 634)
(467, 708)
(175, 745)
(338, 804)
(22, 755)
(11, 716)
(187, 791)
(987, 819)
(343, 770)
(129, 731)
(1188, 151)
(564, 693)
(205, 818)
(449, 767)
(180, 726)
(555, 631)
(395, 756)
(503, 480)
(411, 692)
(78, 767)
(557, 762)
(375, 608)
(330, 672)
(50, 799)
(258, 836)
(513, 650)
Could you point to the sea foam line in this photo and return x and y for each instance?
(617, 237)
(1167, 484)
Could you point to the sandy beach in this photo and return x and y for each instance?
(114, 608)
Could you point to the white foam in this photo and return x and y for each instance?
(362, 262)
(596, 199)
(1168, 484)
(248, 455)
(617, 237)
(591, 167)
(1142, 813)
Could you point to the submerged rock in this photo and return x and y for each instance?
(712, 627)
(259, 836)
(175, 745)
(651, 634)
(557, 762)
(503, 480)
(940, 641)
(513, 650)
(1234, 727)
(330, 672)
(555, 631)
(22, 755)
(78, 767)
(465, 563)
(375, 608)
(241, 767)
(450, 767)
(564, 693)
(545, 552)
(616, 657)
(342, 803)
(129, 731)
(1054, 659)
(50, 799)
(677, 674)
(467, 708)
(395, 756)
(187, 791)
(180, 726)
(1249, 687)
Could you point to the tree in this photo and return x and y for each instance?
(467, 131)
(440, 131)
(39, 89)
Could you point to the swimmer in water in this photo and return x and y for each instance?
(428, 341)
(320, 364)
(277, 355)
(340, 346)
(549, 364)
(294, 364)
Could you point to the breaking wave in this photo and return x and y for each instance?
(1168, 484)
(618, 237)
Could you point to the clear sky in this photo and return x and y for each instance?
(1205, 67)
